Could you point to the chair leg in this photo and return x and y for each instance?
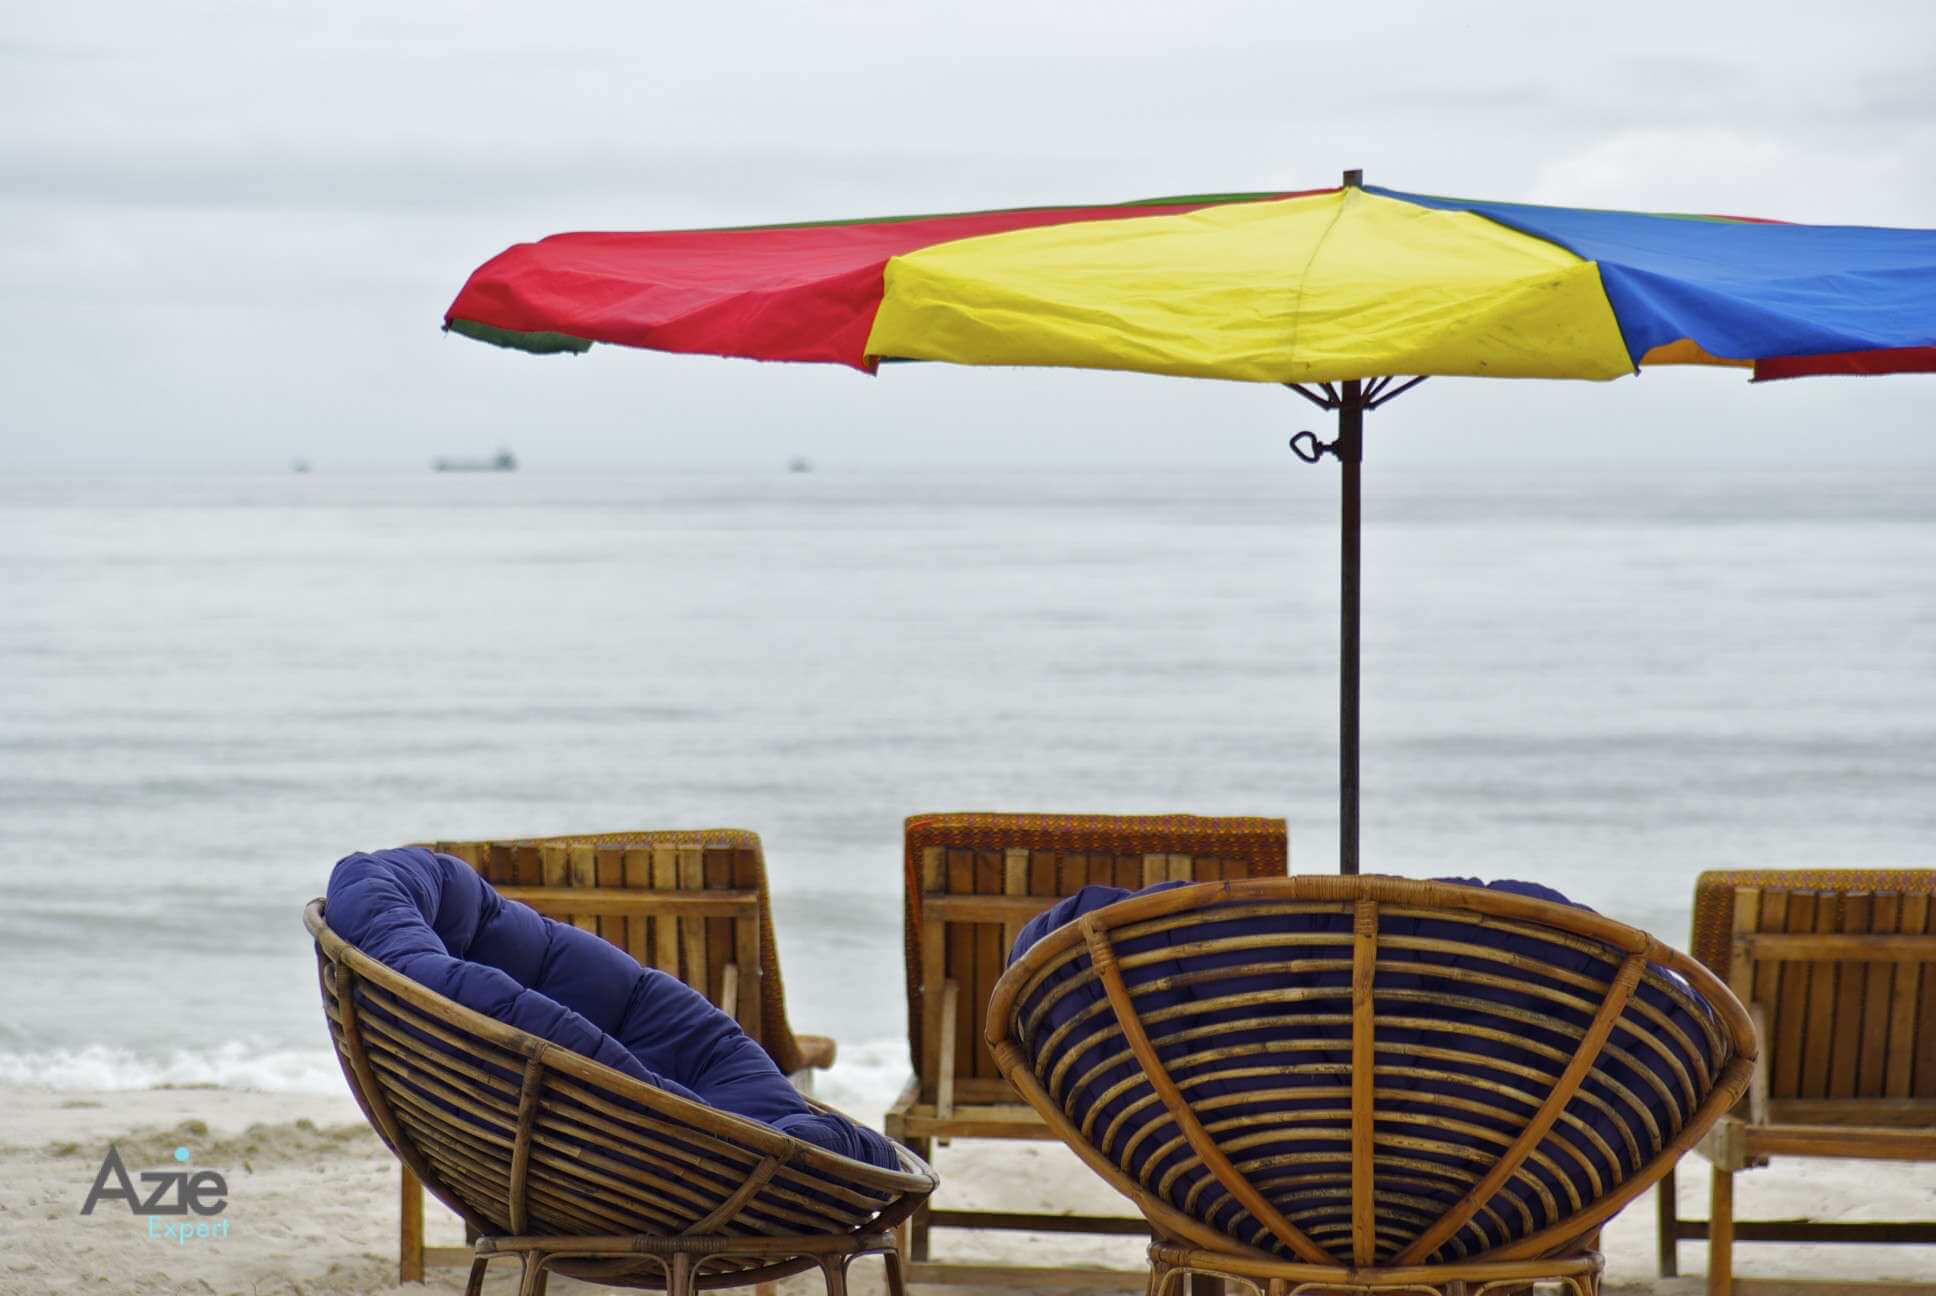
(532, 1281)
(834, 1269)
(410, 1239)
(679, 1275)
(1666, 1219)
(917, 1224)
(475, 1284)
(1720, 1235)
(896, 1273)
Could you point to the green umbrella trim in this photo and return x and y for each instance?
(536, 343)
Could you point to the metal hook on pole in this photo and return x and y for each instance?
(1306, 446)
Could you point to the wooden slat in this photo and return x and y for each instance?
(583, 858)
(1156, 868)
(498, 870)
(1071, 873)
(1767, 976)
(1015, 882)
(962, 949)
(1905, 996)
(982, 1121)
(972, 909)
(1924, 1085)
(1863, 1142)
(746, 949)
(665, 927)
(1042, 873)
(1844, 946)
(1741, 967)
(609, 874)
(692, 934)
(1818, 1044)
(950, 1066)
(990, 954)
(1883, 1113)
(554, 866)
(1790, 1007)
(1182, 869)
(1885, 913)
(638, 879)
(598, 901)
(527, 865)
(718, 871)
(1851, 993)
(934, 966)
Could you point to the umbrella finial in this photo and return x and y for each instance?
(1354, 179)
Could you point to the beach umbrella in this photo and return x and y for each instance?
(1349, 296)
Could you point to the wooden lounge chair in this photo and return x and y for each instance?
(689, 902)
(1838, 968)
(1364, 1083)
(571, 1167)
(972, 881)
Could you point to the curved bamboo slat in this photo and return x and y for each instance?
(571, 1167)
(1369, 1080)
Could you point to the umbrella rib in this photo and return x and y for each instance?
(1309, 395)
(1401, 389)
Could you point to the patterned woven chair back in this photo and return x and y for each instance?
(1368, 1072)
(973, 881)
(714, 930)
(1863, 1028)
(521, 1137)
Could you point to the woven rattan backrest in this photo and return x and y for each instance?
(1368, 1071)
(694, 937)
(520, 1136)
(1016, 865)
(1841, 965)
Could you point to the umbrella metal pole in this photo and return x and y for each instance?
(1350, 452)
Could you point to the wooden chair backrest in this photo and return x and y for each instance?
(1363, 1071)
(692, 903)
(1839, 967)
(520, 1136)
(973, 881)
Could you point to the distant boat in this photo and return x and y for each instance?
(799, 463)
(299, 465)
(503, 461)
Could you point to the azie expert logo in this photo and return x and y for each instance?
(172, 1201)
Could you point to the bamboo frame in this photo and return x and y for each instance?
(1841, 966)
(1406, 1208)
(626, 887)
(578, 1169)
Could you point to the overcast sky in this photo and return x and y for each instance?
(228, 232)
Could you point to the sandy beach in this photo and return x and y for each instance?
(312, 1204)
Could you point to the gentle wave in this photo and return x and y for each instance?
(865, 1078)
(236, 1064)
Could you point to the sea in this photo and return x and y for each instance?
(215, 684)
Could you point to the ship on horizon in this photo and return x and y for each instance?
(502, 461)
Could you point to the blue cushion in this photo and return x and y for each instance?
(433, 919)
(1642, 1092)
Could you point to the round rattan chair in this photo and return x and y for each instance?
(571, 1167)
(1323, 1084)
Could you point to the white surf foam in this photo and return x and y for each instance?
(236, 1064)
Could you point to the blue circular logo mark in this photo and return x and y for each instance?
(181, 1154)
